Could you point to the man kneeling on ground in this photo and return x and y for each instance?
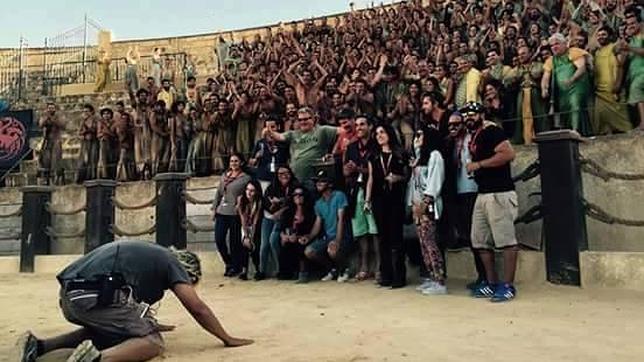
(108, 292)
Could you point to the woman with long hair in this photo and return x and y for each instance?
(275, 204)
(227, 221)
(385, 198)
(297, 221)
(249, 209)
(425, 186)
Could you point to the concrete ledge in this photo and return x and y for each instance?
(53, 264)
(599, 269)
(531, 266)
(612, 269)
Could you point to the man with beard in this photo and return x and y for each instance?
(459, 191)
(166, 94)
(356, 172)
(290, 122)
(610, 114)
(530, 108)
(360, 99)
(495, 68)
(106, 143)
(142, 135)
(88, 157)
(433, 114)
(160, 145)
(306, 90)
(568, 70)
(51, 152)
(224, 142)
(611, 16)
(152, 90)
(496, 206)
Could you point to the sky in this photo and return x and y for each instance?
(136, 19)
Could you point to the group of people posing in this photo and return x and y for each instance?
(319, 194)
(533, 65)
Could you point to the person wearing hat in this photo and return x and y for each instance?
(329, 240)
(108, 293)
(496, 206)
(106, 142)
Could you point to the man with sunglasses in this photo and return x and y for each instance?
(496, 206)
(308, 145)
(459, 190)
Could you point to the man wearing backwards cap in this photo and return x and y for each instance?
(108, 293)
(329, 239)
(496, 207)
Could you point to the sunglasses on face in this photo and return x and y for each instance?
(304, 119)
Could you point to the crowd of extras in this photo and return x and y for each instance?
(407, 112)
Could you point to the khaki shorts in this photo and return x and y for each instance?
(112, 324)
(493, 220)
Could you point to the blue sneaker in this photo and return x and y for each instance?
(472, 286)
(484, 290)
(504, 293)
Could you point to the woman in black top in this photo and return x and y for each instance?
(276, 200)
(386, 187)
(297, 221)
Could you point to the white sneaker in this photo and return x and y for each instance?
(425, 284)
(435, 289)
(329, 277)
(344, 277)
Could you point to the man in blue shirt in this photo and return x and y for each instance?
(330, 239)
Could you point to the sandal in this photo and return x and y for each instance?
(362, 276)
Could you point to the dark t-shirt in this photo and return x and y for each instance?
(492, 179)
(279, 151)
(148, 268)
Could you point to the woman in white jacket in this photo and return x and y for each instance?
(428, 175)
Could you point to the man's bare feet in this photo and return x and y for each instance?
(238, 342)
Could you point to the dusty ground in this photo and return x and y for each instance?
(331, 322)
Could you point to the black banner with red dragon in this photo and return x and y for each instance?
(14, 138)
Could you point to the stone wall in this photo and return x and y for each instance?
(624, 153)
(625, 199)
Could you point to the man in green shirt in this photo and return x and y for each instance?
(308, 145)
(635, 71)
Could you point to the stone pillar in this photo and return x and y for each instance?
(564, 219)
(35, 221)
(171, 209)
(99, 213)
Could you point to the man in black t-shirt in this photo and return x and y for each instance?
(108, 292)
(496, 204)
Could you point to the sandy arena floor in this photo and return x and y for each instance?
(332, 322)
